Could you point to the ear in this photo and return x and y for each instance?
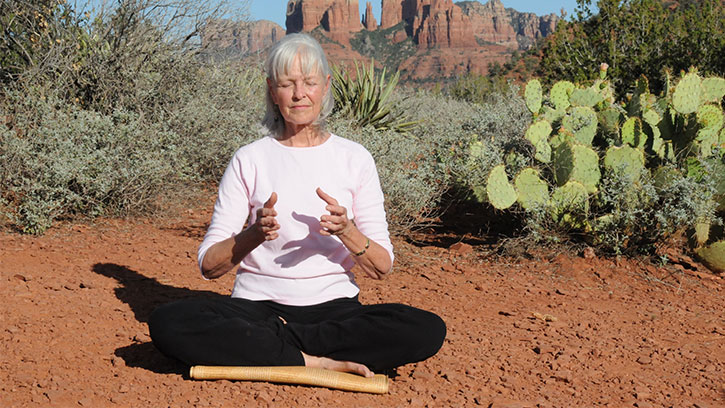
(270, 89)
(327, 82)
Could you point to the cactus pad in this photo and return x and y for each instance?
(537, 134)
(552, 115)
(560, 93)
(710, 117)
(687, 95)
(702, 231)
(713, 256)
(582, 122)
(706, 140)
(501, 194)
(532, 190)
(533, 96)
(585, 97)
(576, 162)
(632, 133)
(569, 204)
(609, 120)
(624, 160)
(652, 117)
(713, 89)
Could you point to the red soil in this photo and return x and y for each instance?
(557, 331)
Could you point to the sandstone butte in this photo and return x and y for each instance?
(425, 39)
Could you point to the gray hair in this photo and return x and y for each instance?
(280, 59)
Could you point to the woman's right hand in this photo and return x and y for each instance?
(266, 222)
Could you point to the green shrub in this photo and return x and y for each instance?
(61, 161)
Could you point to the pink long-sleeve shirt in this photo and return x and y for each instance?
(301, 267)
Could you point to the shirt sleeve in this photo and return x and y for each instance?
(369, 208)
(231, 209)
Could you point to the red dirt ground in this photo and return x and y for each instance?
(540, 331)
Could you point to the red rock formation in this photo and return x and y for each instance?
(442, 24)
(241, 37)
(491, 23)
(452, 39)
(369, 21)
(338, 17)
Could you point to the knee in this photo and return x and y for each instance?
(160, 322)
(435, 333)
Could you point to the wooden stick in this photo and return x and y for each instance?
(294, 375)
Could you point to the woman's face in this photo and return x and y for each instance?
(298, 95)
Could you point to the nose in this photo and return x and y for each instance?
(299, 91)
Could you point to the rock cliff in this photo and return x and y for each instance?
(369, 21)
(339, 18)
(422, 38)
(235, 38)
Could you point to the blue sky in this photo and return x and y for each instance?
(274, 10)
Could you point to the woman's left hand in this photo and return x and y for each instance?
(337, 222)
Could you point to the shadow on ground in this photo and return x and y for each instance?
(143, 295)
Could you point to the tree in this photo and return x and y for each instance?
(636, 37)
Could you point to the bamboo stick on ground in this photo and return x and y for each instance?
(294, 375)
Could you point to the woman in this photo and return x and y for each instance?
(313, 208)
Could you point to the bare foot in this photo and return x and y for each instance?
(334, 365)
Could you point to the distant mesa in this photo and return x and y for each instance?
(434, 38)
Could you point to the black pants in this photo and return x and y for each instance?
(236, 332)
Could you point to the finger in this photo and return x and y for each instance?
(328, 198)
(272, 201)
(330, 227)
(333, 219)
(266, 212)
(336, 209)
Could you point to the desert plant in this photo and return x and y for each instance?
(365, 97)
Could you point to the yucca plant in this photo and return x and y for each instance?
(364, 97)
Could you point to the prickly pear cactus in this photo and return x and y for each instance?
(687, 95)
(624, 160)
(582, 122)
(586, 97)
(560, 93)
(702, 231)
(552, 115)
(570, 205)
(710, 117)
(499, 191)
(532, 191)
(533, 96)
(632, 133)
(713, 89)
(576, 162)
(537, 134)
(713, 256)
(609, 120)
